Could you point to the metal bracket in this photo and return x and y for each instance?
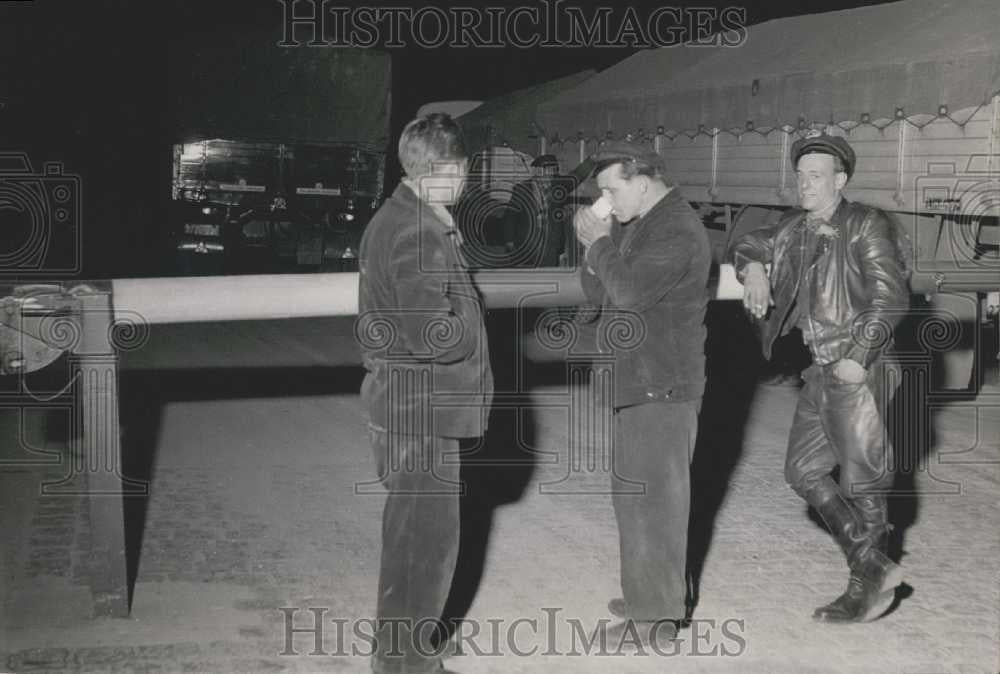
(34, 321)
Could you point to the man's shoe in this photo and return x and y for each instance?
(658, 636)
(857, 604)
(862, 532)
(782, 380)
(870, 591)
(618, 608)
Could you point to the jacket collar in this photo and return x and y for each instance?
(638, 226)
(670, 198)
(425, 215)
(840, 213)
(836, 218)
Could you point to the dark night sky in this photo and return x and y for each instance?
(85, 86)
(82, 60)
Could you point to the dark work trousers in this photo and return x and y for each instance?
(420, 536)
(841, 424)
(651, 493)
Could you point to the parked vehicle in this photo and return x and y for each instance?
(914, 87)
(280, 153)
(242, 206)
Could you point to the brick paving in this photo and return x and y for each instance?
(263, 503)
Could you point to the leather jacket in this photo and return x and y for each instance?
(855, 281)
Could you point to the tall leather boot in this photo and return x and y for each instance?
(874, 576)
(874, 512)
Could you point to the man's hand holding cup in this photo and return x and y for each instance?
(593, 222)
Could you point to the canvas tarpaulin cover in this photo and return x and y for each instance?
(510, 119)
(915, 55)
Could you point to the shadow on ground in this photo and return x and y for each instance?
(498, 468)
(143, 394)
(733, 366)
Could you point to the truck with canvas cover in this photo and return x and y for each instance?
(913, 85)
(502, 135)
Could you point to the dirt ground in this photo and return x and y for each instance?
(256, 549)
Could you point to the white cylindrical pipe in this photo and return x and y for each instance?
(276, 296)
(230, 298)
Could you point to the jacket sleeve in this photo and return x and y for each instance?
(755, 246)
(660, 264)
(592, 286)
(878, 257)
(431, 322)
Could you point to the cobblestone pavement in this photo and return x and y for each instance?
(262, 518)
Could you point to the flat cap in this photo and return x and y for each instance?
(822, 143)
(624, 151)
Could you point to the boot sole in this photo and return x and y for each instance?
(885, 598)
(874, 612)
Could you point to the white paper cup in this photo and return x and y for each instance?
(601, 208)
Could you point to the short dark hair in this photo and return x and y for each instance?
(433, 137)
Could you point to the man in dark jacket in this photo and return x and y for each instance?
(428, 384)
(838, 273)
(647, 267)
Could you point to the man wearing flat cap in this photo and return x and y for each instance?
(646, 265)
(838, 272)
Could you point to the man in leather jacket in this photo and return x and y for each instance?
(647, 267)
(838, 272)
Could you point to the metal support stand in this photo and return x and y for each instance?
(95, 458)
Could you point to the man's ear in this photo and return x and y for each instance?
(839, 180)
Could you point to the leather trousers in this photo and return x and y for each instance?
(842, 424)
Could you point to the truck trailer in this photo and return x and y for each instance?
(913, 85)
